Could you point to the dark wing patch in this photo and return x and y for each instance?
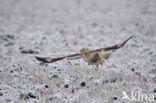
(48, 59)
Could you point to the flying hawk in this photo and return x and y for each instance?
(92, 57)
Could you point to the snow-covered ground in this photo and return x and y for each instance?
(54, 28)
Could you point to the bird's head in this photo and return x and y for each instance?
(84, 50)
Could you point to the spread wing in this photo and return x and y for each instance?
(117, 46)
(51, 60)
(78, 56)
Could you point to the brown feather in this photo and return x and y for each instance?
(78, 56)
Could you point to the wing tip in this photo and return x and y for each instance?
(123, 43)
(39, 58)
(42, 59)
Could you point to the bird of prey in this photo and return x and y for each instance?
(92, 57)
